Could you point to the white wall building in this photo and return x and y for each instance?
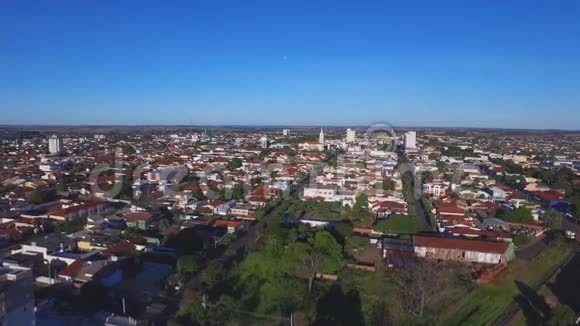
(264, 142)
(54, 145)
(328, 192)
(350, 136)
(286, 132)
(410, 139)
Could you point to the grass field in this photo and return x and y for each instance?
(486, 303)
(399, 224)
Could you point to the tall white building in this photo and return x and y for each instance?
(350, 135)
(264, 142)
(321, 137)
(54, 145)
(286, 132)
(410, 139)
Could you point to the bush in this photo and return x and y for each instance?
(521, 240)
(41, 197)
(518, 215)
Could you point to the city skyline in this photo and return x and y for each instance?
(486, 65)
(307, 162)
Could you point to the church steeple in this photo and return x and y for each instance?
(321, 138)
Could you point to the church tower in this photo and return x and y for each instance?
(321, 138)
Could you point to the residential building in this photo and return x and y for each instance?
(322, 192)
(462, 250)
(54, 145)
(138, 220)
(410, 140)
(350, 136)
(16, 297)
(264, 142)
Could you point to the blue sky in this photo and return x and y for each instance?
(411, 63)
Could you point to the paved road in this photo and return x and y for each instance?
(420, 209)
(532, 251)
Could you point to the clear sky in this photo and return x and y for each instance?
(503, 63)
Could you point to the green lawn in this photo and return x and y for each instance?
(399, 224)
(486, 303)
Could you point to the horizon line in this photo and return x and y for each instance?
(276, 126)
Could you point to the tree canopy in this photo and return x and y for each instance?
(362, 200)
(518, 215)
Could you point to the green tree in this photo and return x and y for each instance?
(42, 196)
(553, 219)
(265, 285)
(442, 166)
(518, 215)
(212, 275)
(362, 201)
(320, 254)
(235, 163)
(388, 185)
(343, 231)
(238, 191)
(188, 264)
(521, 240)
(197, 193)
(433, 156)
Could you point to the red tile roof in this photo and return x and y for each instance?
(65, 211)
(551, 195)
(134, 217)
(223, 223)
(461, 244)
(73, 269)
(121, 248)
(448, 208)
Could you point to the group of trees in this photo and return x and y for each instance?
(510, 166)
(518, 215)
(277, 278)
(362, 201)
(280, 276)
(560, 178)
(71, 226)
(42, 196)
(317, 253)
(188, 264)
(388, 185)
(409, 191)
(235, 163)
